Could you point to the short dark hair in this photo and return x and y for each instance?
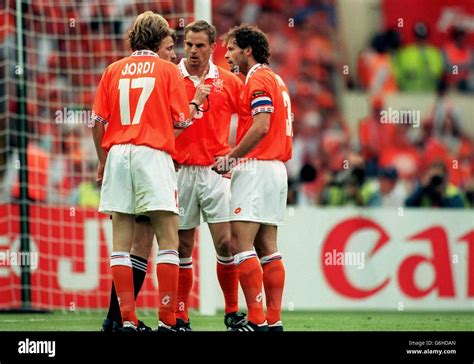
(148, 31)
(202, 26)
(250, 36)
(389, 173)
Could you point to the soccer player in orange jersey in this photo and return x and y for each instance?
(143, 232)
(259, 180)
(141, 98)
(202, 190)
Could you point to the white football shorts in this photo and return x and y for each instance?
(138, 179)
(202, 190)
(259, 191)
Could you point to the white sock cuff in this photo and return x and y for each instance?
(270, 258)
(225, 260)
(167, 256)
(240, 257)
(186, 263)
(120, 258)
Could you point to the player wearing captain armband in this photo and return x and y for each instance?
(259, 184)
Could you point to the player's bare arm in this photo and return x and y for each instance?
(98, 131)
(259, 128)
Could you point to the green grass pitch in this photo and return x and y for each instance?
(293, 321)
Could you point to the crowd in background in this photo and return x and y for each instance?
(381, 164)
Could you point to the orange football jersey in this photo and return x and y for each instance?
(265, 91)
(209, 135)
(139, 97)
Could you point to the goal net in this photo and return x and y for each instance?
(54, 245)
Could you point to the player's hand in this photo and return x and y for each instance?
(227, 175)
(177, 166)
(100, 173)
(222, 165)
(202, 90)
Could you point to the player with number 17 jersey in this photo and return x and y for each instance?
(130, 84)
(140, 98)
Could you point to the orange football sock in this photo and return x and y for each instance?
(228, 276)
(184, 287)
(122, 275)
(250, 276)
(167, 271)
(274, 282)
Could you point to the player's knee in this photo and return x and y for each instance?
(169, 239)
(168, 245)
(140, 251)
(264, 249)
(185, 251)
(186, 245)
(142, 247)
(223, 247)
(234, 244)
(259, 251)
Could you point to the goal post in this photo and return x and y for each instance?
(203, 10)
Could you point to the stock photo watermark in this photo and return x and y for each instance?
(242, 164)
(12, 258)
(74, 116)
(28, 346)
(345, 258)
(394, 116)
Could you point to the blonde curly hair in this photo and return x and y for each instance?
(147, 32)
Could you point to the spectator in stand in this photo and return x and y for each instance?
(305, 147)
(402, 153)
(375, 67)
(350, 187)
(470, 193)
(442, 109)
(391, 191)
(305, 187)
(445, 138)
(459, 60)
(419, 66)
(38, 161)
(375, 136)
(436, 191)
(87, 193)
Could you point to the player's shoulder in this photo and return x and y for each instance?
(266, 73)
(261, 77)
(116, 64)
(272, 78)
(227, 75)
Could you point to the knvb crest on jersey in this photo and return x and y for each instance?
(218, 84)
